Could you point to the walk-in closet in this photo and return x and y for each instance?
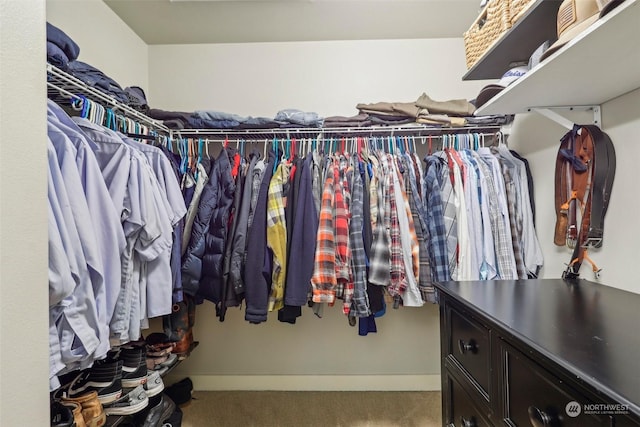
(349, 213)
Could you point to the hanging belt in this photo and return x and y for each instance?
(585, 169)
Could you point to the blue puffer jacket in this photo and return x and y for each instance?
(202, 261)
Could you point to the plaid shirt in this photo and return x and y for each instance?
(502, 241)
(419, 220)
(360, 302)
(515, 234)
(436, 227)
(324, 279)
(341, 226)
(380, 262)
(277, 234)
(398, 274)
(505, 262)
(450, 213)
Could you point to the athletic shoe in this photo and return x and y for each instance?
(132, 402)
(154, 384)
(104, 377)
(160, 412)
(134, 366)
(61, 415)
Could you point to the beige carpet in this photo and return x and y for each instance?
(313, 409)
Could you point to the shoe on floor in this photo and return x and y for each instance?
(159, 413)
(132, 402)
(180, 392)
(91, 409)
(104, 377)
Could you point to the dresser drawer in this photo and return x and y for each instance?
(460, 410)
(469, 346)
(535, 397)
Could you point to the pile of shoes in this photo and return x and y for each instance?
(160, 355)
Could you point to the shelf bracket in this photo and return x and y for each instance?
(563, 121)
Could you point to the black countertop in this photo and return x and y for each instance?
(591, 330)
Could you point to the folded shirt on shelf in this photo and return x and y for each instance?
(59, 38)
(56, 56)
(297, 117)
(97, 79)
(453, 107)
(360, 120)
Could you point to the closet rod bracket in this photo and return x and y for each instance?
(550, 114)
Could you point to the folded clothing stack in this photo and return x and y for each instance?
(61, 49)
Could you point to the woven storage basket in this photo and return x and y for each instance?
(518, 8)
(486, 29)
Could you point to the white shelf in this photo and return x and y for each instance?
(600, 64)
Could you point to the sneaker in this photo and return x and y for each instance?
(76, 410)
(91, 409)
(154, 384)
(160, 412)
(134, 366)
(132, 402)
(104, 377)
(61, 415)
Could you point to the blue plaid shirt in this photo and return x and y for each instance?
(438, 254)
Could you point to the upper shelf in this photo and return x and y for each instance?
(537, 25)
(600, 64)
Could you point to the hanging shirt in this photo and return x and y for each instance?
(76, 316)
(472, 193)
(450, 212)
(360, 301)
(108, 230)
(506, 260)
(380, 261)
(66, 157)
(277, 234)
(409, 243)
(436, 226)
(157, 295)
(127, 182)
(324, 280)
(489, 267)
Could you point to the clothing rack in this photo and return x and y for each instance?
(65, 88)
(415, 130)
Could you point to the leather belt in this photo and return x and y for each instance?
(585, 169)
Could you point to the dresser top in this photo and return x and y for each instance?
(591, 330)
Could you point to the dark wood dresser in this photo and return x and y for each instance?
(542, 353)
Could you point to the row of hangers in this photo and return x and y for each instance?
(192, 150)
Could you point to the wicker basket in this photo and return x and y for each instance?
(494, 20)
(518, 8)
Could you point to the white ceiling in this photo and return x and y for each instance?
(242, 21)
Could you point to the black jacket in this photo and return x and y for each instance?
(202, 261)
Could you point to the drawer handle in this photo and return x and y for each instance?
(467, 423)
(465, 347)
(540, 418)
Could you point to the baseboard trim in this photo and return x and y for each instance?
(314, 382)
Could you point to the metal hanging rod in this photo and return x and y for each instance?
(371, 131)
(61, 86)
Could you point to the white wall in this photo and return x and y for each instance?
(329, 78)
(538, 139)
(24, 397)
(105, 41)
